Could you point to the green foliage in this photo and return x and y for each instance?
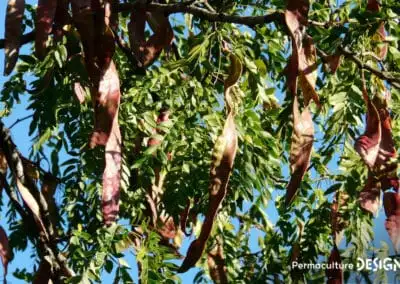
(191, 88)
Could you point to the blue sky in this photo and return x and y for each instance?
(19, 134)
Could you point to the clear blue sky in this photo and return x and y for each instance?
(19, 134)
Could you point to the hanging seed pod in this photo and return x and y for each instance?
(147, 51)
(391, 203)
(300, 150)
(4, 251)
(46, 12)
(221, 168)
(13, 32)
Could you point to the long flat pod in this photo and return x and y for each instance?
(4, 251)
(107, 131)
(106, 104)
(367, 145)
(301, 147)
(112, 176)
(147, 51)
(391, 203)
(296, 15)
(46, 12)
(13, 31)
(222, 165)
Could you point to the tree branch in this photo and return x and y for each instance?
(394, 81)
(48, 246)
(26, 38)
(205, 14)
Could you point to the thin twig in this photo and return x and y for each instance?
(20, 120)
(394, 81)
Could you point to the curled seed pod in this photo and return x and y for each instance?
(300, 150)
(308, 70)
(370, 195)
(223, 157)
(147, 51)
(367, 145)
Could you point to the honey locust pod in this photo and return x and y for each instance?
(46, 12)
(223, 157)
(13, 32)
(300, 149)
(147, 51)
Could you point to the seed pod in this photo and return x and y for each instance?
(42, 275)
(46, 12)
(106, 103)
(308, 70)
(147, 51)
(13, 32)
(300, 150)
(4, 251)
(391, 202)
(83, 20)
(61, 18)
(370, 195)
(367, 145)
(216, 265)
(334, 273)
(380, 34)
(223, 157)
(296, 17)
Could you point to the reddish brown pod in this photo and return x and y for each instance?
(148, 50)
(4, 251)
(216, 264)
(334, 273)
(13, 32)
(300, 150)
(367, 145)
(391, 203)
(380, 34)
(106, 104)
(223, 158)
(46, 12)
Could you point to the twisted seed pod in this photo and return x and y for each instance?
(4, 251)
(147, 51)
(300, 150)
(221, 168)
